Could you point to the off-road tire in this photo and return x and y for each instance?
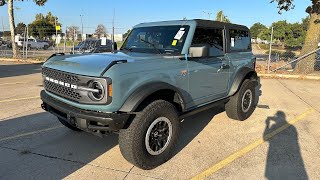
(132, 140)
(234, 108)
(68, 125)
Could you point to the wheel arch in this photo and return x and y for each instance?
(241, 75)
(153, 91)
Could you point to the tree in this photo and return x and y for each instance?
(20, 29)
(39, 17)
(101, 31)
(54, 20)
(44, 26)
(125, 35)
(221, 17)
(265, 34)
(41, 29)
(313, 33)
(281, 29)
(256, 29)
(72, 32)
(15, 50)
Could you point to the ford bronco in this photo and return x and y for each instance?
(164, 72)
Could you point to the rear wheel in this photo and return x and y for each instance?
(242, 104)
(68, 125)
(150, 139)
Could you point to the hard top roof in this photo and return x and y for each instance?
(198, 22)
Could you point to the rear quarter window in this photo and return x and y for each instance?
(240, 40)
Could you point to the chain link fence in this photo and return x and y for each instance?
(285, 60)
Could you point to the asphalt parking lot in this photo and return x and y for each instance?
(280, 141)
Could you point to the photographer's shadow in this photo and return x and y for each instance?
(284, 160)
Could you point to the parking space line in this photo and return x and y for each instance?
(250, 147)
(19, 99)
(30, 133)
(4, 84)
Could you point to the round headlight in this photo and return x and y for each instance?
(97, 96)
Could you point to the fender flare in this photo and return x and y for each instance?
(141, 93)
(242, 74)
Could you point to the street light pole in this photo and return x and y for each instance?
(208, 13)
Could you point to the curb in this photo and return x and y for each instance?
(21, 60)
(285, 76)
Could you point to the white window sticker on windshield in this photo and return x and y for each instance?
(232, 42)
(179, 34)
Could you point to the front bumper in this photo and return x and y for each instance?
(90, 121)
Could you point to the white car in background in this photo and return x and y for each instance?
(33, 44)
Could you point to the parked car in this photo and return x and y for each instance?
(163, 73)
(33, 44)
(92, 46)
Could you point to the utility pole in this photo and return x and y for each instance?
(74, 37)
(24, 42)
(113, 46)
(65, 41)
(27, 42)
(2, 27)
(81, 16)
(269, 60)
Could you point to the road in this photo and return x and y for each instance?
(280, 141)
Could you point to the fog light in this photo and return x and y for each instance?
(97, 96)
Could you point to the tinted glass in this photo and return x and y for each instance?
(166, 39)
(211, 37)
(239, 40)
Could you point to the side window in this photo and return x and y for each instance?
(211, 37)
(239, 40)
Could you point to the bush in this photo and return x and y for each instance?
(288, 55)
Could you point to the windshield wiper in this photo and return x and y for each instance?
(154, 46)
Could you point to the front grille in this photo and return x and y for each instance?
(58, 89)
(61, 90)
(61, 76)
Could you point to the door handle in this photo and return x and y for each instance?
(224, 66)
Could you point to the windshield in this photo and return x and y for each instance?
(157, 39)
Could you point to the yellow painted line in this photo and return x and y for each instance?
(250, 147)
(4, 84)
(30, 133)
(19, 99)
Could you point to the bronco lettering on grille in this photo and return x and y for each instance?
(61, 83)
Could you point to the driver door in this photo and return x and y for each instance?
(208, 76)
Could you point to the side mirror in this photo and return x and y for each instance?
(199, 51)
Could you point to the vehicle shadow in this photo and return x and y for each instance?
(193, 125)
(52, 154)
(284, 160)
(11, 70)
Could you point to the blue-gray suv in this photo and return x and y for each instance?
(164, 72)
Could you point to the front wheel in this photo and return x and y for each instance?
(242, 104)
(150, 139)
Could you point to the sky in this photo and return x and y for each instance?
(129, 13)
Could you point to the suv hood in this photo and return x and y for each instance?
(88, 65)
